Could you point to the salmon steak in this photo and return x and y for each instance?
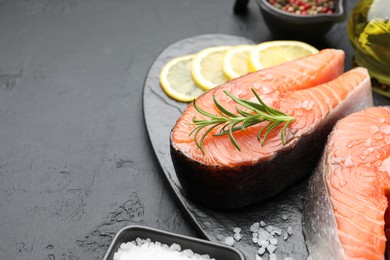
(312, 89)
(346, 213)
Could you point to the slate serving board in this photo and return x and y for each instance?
(161, 113)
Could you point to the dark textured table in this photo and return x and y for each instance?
(76, 164)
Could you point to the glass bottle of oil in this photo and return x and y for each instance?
(369, 33)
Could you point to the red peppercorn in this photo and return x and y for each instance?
(305, 7)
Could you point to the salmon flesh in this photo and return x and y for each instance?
(312, 89)
(346, 213)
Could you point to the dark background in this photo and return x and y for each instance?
(76, 163)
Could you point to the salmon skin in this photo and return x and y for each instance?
(309, 89)
(344, 214)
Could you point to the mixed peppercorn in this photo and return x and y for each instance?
(305, 7)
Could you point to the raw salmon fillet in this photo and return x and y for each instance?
(309, 89)
(344, 215)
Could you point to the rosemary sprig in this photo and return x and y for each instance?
(231, 122)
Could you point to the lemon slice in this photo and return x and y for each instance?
(207, 67)
(235, 62)
(176, 79)
(273, 53)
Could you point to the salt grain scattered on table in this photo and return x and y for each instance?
(276, 230)
(271, 248)
(263, 243)
(285, 235)
(269, 228)
(237, 237)
(229, 241)
(289, 230)
(261, 250)
(264, 235)
(237, 230)
(255, 227)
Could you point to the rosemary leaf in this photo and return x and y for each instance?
(222, 109)
(231, 137)
(269, 129)
(231, 122)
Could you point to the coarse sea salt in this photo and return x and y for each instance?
(229, 241)
(145, 249)
(264, 236)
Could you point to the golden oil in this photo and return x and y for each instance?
(369, 33)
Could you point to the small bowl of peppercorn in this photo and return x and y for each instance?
(303, 19)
